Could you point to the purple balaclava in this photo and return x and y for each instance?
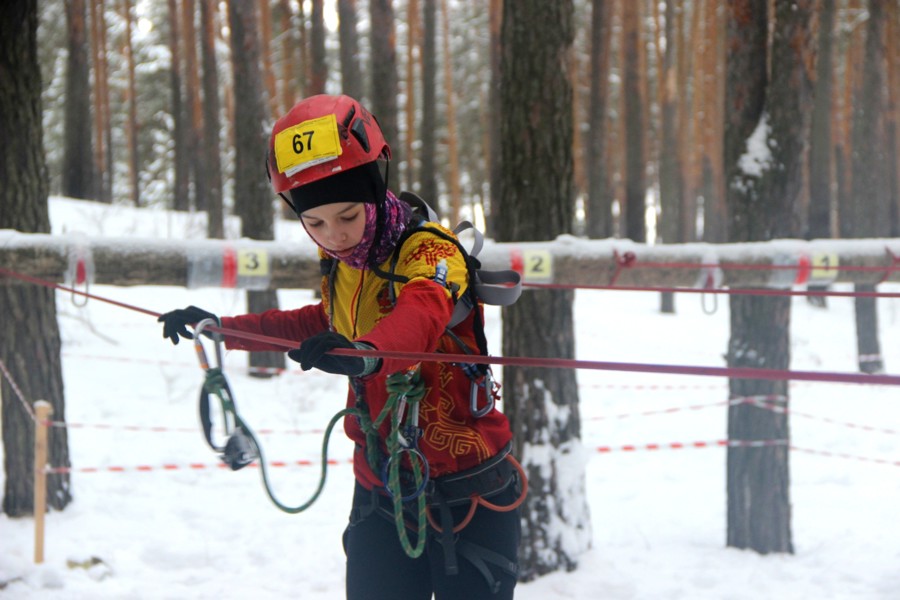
(386, 215)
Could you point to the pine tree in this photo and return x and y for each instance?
(537, 203)
(766, 139)
(29, 334)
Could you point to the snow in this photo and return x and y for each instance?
(757, 157)
(658, 517)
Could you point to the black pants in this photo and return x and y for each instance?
(379, 569)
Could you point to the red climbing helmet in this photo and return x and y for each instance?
(321, 136)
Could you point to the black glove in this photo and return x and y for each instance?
(174, 322)
(313, 353)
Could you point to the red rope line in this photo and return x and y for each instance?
(524, 361)
(56, 286)
(729, 291)
(624, 261)
(754, 267)
(895, 262)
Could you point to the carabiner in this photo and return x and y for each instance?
(198, 345)
(426, 474)
(488, 384)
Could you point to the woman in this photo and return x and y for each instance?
(392, 283)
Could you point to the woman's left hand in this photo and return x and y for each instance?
(313, 352)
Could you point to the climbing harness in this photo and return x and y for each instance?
(476, 487)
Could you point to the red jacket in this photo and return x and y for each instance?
(361, 310)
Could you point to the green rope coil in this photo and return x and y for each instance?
(396, 491)
(324, 472)
(404, 385)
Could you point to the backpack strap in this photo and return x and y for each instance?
(497, 288)
(420, 207)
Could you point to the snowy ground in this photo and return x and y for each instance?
(658, 517)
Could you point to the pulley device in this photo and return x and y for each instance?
(240, 448)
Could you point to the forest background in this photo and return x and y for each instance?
(648, 86)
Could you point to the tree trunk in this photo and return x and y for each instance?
(77, 168)
(715, 211)
(428, 169)
(766, 144)
(196, 151)
(318, 66)
(691, 68)
(869, 201)
(820, 156)
(252, 195)
(304, 73)
(131, 128)
(758, 485)
(537, 204)
(29, 333)
(633, 118)
(351, 74)
(670, 166)
(893, 113)
(599, 209)
(215, 212)
(452, 135)
(102, 162)
(265, 44)
(181, 192)
(820, 139)
(495, 20)
(383, 88)
(288, 38)
(412, 42)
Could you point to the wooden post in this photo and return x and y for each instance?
(42, 410)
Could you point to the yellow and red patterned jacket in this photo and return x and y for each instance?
(361, 309)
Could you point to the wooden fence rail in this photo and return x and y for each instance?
(567, 260)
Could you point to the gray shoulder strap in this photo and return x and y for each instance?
(420, 206)
(497, 288)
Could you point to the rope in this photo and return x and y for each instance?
(729, 291)
(18, 392)
(216, 384)
(634, 264)
(405, 387)
(562, 363)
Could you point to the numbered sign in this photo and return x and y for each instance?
(252, 263)
(307, 144)
(537, 265)
(253, 269)
(244, 268)
(824, 268)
